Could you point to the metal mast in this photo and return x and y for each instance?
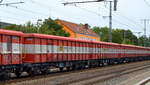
(110, 12)
(145, 33)
(110, 21)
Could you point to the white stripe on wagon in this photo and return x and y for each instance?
(39, 49)
(14, 48)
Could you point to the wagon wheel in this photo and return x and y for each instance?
(18, 74)
(4, 76)
(61, 68)
(45, 71)
(68, 68)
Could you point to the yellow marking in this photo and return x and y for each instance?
(61, 48)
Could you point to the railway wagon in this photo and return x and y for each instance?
(37, 53)
(45, 51)
(10, 52)
(48, 48)
(134, 53)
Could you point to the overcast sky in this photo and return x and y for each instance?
(128, 15)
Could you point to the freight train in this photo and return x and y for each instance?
(37, 53)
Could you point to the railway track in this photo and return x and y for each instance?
(104, 76)
(79, 77)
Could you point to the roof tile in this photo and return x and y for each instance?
(78, 28)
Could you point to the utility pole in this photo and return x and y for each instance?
(110, 12)
(138, 36)
(145, 33)
(110, 21)
(110, 18)
(0, 20)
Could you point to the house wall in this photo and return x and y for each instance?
(85, 37)
(79, 36)
(72, 34)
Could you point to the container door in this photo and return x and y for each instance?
(50, 50)
(16, 50)
(1, 49)
(37, 49)
(7, 50)
(43, 50)
(91, 51)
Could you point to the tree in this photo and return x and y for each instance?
(102, 32)
(118, 35)
(144, 41)
(26, 28)
(48, 26)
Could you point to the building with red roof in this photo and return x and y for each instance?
(79, 31)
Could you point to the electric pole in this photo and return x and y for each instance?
(110, 21)
(0, 20)
(110, 12)
(138, 36)
(145, 33)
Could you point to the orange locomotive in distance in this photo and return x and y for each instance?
(37, 53)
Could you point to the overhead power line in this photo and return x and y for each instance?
(21, 9)
(131, 20)
(11, 4)
(147, 3)
(12, 18)
(30, 11)
(118, 21)
(110, 12)
(1, 1)
(66, 3)
(122, 23)
(98, 14)
(37, 3)
(25, 10)
(15, 13)
(127, 18)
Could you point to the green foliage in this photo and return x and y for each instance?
(145, 40)
(51, 27)
(27, 28)
(121, 36)
(117, 36)
(102, 32)
(48, 26)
